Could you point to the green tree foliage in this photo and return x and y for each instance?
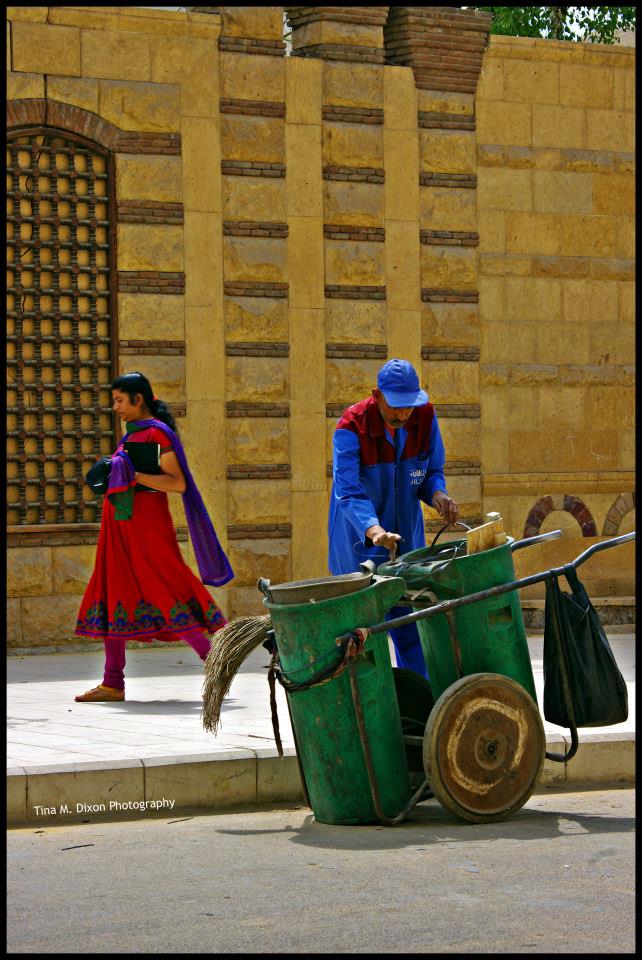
(588, 24)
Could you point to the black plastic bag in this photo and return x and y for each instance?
(97, 477)
(577, 655)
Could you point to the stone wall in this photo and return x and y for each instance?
(556, 206)
(285, 224)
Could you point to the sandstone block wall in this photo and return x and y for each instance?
(555, 176)
(285, 224)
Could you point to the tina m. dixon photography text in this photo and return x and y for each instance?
(113, 805)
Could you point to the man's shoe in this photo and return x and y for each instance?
(101, 694)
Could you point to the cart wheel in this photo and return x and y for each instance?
(484, 747)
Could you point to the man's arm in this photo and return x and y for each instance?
(433, 488)
(352, 500)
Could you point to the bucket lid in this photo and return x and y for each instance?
(308, 591)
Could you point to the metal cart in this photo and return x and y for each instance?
(484, 744)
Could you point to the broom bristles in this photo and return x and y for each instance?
(230, 647)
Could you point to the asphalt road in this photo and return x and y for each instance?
(557, 878)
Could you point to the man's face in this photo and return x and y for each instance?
(393, 416)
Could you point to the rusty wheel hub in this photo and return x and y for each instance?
(484, 747)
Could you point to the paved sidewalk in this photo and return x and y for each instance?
(60, 751)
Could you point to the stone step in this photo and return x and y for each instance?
(611, 610)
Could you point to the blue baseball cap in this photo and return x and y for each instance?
(399, 383)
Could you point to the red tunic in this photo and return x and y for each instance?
(141, 588)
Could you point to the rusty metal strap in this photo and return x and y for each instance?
(273, 708)
(351, 646)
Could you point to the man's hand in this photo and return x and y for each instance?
(446, 506)
(381, 538)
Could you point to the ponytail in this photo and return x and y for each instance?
(162, 412)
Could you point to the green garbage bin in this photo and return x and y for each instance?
(490, 633)
(323, 716)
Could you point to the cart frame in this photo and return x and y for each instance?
(447, 607)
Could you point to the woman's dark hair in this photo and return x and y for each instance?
(134, 383)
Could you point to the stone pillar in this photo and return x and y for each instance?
(338, 33)
(306, 317)
(255, 298)
(401, 158)
(444, 47)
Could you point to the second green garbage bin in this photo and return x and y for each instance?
(323, 715)
(490, 633)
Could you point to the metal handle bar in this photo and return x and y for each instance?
(447, 605)
(540, 538)
(583, 557)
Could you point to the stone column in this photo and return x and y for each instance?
(254, 316)
(338, 33)
(401, 158)
(444, 47)
(306, 317)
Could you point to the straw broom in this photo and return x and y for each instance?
(230, 647)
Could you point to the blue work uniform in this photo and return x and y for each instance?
(380, 476)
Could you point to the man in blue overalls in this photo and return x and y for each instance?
(388, 456)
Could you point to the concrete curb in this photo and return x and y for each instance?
(130, 789)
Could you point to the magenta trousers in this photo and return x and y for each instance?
(114, 675)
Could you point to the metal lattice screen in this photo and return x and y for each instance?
(58, 326)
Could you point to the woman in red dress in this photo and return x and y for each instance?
(141, 588)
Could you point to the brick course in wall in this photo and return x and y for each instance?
(335, 410)
(63, 534)
(465, 180)
(453, 238)
(356, 351)
(247, 288)
(259, 471)
(339, 51)
(354, 174)
(261, 410)
(250, 228)
(450, 353)
(275, 48)
(263, 349)
(370, 115)
(445, 295)
(162, 143)
(462, 468)
(340, 291)
(298, 17)
(432, 120)
(164, 348)
(259, 531)
(343, 232)
(253, 108)
(252, 168)
(149, 211)
(151, 281)
(458, 410)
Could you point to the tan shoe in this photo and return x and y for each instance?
(101, 694)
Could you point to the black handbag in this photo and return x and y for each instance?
(97, 477)
(578, 657)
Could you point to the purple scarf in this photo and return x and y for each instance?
(213, 565)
